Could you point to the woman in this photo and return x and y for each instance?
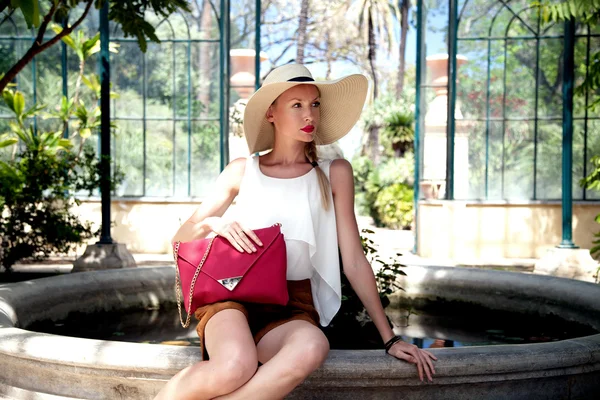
(314, 202)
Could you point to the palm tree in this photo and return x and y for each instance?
(379, 15)
(404, 8)
(302, 28)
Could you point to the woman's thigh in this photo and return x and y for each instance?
(227, 337)
(300, 336)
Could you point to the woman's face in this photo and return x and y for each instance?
(295, 113)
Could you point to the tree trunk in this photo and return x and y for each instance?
(38, 46)
(404, 9)
(372, 145)
(372, 55)
(204, 24)
(302, 26)
(328, 58)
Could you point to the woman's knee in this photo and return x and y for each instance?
(235, 370)
(310, 353)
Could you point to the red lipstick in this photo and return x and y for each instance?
(308, 128)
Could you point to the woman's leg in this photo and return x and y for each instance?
(233, 361)
(289, 354)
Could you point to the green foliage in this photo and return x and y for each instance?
(39, 178)
(35, 198)
(585, 12)
(385, 192)
(394, 205)
(398, 132)
(394, 117)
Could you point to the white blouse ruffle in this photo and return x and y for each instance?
(296, 204)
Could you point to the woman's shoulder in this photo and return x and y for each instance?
(340, 174)
(234, 172)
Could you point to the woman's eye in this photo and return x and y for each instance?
(296, 105)
(316, 104)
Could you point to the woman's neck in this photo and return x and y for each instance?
(287, 152)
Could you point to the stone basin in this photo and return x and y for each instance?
(44, 366)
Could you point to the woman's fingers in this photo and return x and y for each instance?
(424, 365)
(243, 242)
(429, 354)
(415, 354)
(427, 359)
(233, 242)
(250, 233)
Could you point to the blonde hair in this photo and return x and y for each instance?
(310, 150)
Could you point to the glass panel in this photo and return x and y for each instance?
(523, 25)
(477, 18)
(520, 79)
(581, 44)
(159, 78)
(472, 79)
(8, 53)
(180, 96)
(518, 160)
(49, 77)
(495, 160)
(205, 157)
(553, 29)
(159, 159)
(473, 162)
(578, 157)
(181, 159)
(550, 88)
(496, 79)
(205, 80)
(127, 76)
(502, 20)
(549, 160)
(129, 149)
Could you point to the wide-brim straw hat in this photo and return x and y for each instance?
(342, 101)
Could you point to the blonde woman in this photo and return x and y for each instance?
(313, 199)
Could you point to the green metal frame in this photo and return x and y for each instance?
(569, 37)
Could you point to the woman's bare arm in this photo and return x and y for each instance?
(359, 272)
(226, 189)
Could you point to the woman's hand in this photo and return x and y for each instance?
(235, 233)
(412, 354)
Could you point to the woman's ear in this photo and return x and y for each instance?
(269, 114)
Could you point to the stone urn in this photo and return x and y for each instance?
(243, 76)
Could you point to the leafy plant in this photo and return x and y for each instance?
(394, 204)
(44, 170)
(398, 133)
(385, 192)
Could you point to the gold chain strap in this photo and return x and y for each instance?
(178, 283)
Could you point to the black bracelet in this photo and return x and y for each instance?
(391, 342)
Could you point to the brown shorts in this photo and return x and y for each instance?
(264, 317)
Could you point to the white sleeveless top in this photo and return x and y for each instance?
(309, 231)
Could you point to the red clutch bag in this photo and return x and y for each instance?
(212, 270)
